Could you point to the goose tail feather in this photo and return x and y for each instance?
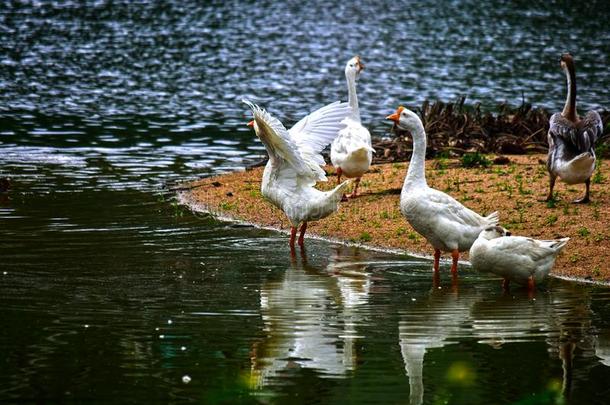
(493, 218)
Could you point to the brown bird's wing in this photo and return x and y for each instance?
(590, 129)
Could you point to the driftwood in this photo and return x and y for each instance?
(454, 129)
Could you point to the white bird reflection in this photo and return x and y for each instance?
(602, 347)
(442, 319)
(310, 318)
(561, 317)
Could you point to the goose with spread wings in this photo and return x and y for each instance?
(295, 161)
(571, 155)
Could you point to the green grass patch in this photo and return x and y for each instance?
(551, 219)
(365, 237)
(475, 159)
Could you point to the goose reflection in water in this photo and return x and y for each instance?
(571, 314)
(561, 317)
(602, 347)
(441, 320)
(310, 318)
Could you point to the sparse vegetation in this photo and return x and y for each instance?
(227, 206)
(413, 236)
(551, 219)
(475, 159)
(365, 237)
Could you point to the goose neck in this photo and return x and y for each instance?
(416, 175)
(569, 109)
(352, 97)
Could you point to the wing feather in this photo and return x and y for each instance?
(591, 127)
(581, 136)
(317, 130)
(452, 210)
(560, 127)
(536, 250)
(277, 140)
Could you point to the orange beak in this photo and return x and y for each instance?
(396, 116)
(251, 124)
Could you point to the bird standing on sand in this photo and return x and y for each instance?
(442, 220)
(571, 155)
(351, 152)
(294, 164)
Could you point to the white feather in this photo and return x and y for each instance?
(515, 258)
(294, 162)
(441, 219)
(351, 151)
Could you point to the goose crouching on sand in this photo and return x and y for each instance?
(294, 164)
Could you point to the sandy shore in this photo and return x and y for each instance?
(515, 189)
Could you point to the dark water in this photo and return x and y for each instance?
(110, 292)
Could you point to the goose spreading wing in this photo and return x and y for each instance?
(301, 146)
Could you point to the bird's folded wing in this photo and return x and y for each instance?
(521, 246)
(315, 131)
(560, 127)
(581, 136)
(592, 126)
(448, 207)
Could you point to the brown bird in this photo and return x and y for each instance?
(571, 139)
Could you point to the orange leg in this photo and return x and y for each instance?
(355, 192)
(455, 255)
(454, 282)
(339, 173)
(436, 279)
(437, 258)
(302, 235)
(293, 234)
(531, 285)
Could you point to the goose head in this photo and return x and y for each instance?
(406, 119)
(354, 66)
(566, 61)
(494, 232)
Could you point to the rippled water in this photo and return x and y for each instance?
(109, 292)
(166, 78)
(114, 296)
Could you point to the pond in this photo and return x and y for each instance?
(111, 292)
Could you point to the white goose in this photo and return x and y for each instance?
(294, 163)
(523, 260)
(571, 140)
(351, 152)
(442, 220)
